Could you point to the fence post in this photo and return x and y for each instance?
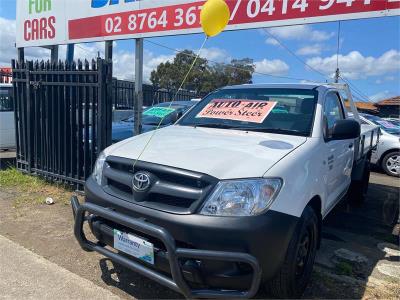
(15, 107)
(100, 137)
(109, 90)
(29, 148)
(108, 102)
(104, 108)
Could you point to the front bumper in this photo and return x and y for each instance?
(258, 242)
(177, 282)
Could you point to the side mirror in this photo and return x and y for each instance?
(345, 130)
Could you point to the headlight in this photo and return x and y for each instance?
(246, 197)
(98, 168)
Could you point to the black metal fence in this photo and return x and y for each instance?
(124, 95)
(63, 117)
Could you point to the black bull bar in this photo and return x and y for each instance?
(177, 283)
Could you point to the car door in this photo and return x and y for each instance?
(339, 154)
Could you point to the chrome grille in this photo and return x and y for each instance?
(171, 189)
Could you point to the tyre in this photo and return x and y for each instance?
(359, 189)
(391, 163)
(295, 273)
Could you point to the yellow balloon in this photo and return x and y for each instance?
(214, 17)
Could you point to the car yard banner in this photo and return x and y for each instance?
(53, 22)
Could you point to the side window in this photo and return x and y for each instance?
(6, 103)
(332, 112)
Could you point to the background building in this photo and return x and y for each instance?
(389, 107)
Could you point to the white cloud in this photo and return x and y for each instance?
(272, 41)
(124, 61)
(272, 67)
(216, 55)
(315, 49)
(380, 96)
(355, 66)
(124, 64)
(7, 44)
(385, 79)
(299, 32)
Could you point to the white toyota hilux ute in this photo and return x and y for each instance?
(231, 197)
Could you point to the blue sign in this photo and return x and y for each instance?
(102, 3)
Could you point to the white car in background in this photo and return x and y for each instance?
(7, 121)
(387, 154)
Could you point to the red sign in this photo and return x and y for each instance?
(185, 18)
(254, 111)
(5, 75)
(50, 22)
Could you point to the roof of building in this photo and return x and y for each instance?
(363, 105)
(391, 101)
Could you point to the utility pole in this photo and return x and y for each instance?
(70, 52)
(54, 54)
(138, 99)
(21, 55)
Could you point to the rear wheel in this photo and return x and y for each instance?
(295, 273)
(391, 164)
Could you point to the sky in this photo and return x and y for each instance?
(369, 52)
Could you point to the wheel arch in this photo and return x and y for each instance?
(316, 204)
(386, 153)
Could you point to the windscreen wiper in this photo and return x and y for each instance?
(270, 130)
(213, 125)
(256, 129)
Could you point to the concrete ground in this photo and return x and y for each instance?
(358, 258)
(7, 158)
(26, 275)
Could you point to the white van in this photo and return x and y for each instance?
(7, 121)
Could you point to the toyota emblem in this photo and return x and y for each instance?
(141, 181)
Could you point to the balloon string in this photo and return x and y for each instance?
(173, 99)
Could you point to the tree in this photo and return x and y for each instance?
(204, 77)
(170, 75)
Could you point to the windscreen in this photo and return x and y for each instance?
(384, 124)
(6, 103)
(286, 111)
(164, 111)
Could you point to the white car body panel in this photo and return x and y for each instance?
(211, 151)
(387, 143)
(309, 166)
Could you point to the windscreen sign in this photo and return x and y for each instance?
(244, 110)
(52, 22)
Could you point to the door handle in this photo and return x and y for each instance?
(351, 145)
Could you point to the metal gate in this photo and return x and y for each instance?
(124, 94)
(63, 115)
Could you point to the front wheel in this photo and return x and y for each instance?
(391, 164)
(295, 273)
